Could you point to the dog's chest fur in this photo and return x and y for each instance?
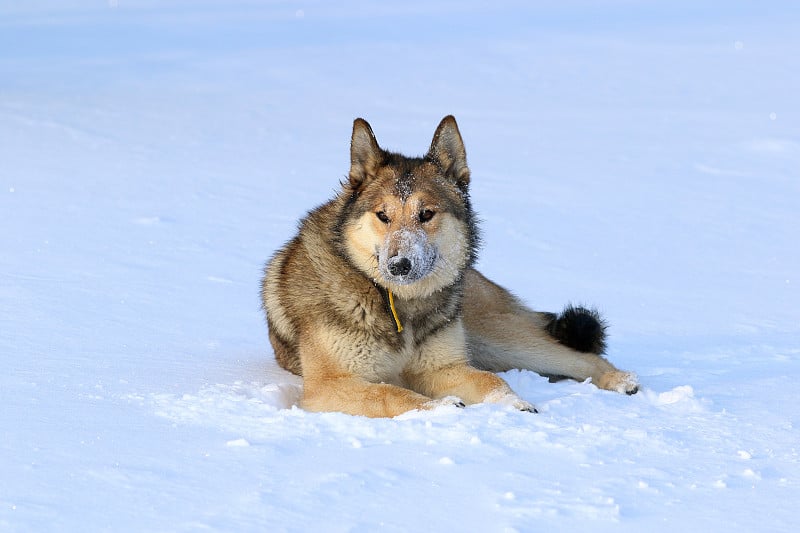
(384, 352)
(319, 289)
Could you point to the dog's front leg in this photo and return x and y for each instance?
(356, 396)
(330, 385)
(469, 384)
(440, 368)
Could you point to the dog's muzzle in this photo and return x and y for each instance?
(407, 257)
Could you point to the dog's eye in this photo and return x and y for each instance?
(425, 215)
(382, 217)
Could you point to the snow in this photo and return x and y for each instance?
(639, 157)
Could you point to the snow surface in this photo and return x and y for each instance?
(643, 157)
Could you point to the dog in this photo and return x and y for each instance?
(376, 304)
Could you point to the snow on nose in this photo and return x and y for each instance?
(406, 256)
(399, 266)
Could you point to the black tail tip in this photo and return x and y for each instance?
(579, 328)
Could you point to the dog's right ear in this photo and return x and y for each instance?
(365, 154)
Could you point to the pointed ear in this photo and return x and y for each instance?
(448, 149)
(365, 154)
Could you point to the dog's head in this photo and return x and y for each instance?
(408, 222)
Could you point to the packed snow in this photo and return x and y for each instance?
(640, 157)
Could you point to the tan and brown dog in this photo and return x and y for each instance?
(376, 304)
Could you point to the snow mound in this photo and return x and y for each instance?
(225, 403)
(680, 398)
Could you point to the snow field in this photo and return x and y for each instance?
(640, 158)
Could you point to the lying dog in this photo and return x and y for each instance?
(376, 304)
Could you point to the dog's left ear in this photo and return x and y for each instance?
(447, 148)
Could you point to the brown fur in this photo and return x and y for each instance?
(405, 225)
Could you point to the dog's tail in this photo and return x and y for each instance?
(579, 328)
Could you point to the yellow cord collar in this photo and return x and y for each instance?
(394, 312)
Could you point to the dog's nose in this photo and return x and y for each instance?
(399, 266)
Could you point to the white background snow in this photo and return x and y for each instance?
(640, 156)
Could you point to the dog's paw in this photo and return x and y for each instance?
(510, 399)
(619, 381)
(442, 402)
(522, 405)
(527, 407)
